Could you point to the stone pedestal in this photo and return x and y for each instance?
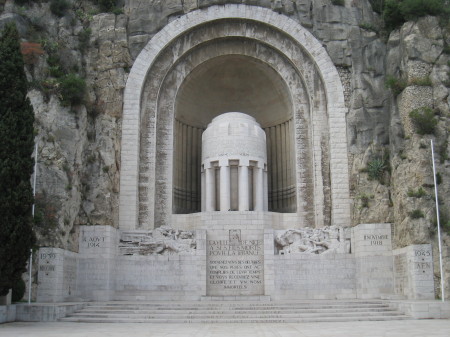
(373, 253)
(57, 275)
(235, 256)
(413, 271)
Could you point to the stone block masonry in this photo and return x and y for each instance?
(234, 255)
(316, 78)
(373, 255)
(413, 271)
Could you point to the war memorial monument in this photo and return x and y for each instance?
(234, 181)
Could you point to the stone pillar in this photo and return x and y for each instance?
(266, 190)
(258, 185)
(374, 266)
(203, 191)
(243, 188)
(210, 198)
(224, 187)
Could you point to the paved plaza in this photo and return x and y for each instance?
(412, 328)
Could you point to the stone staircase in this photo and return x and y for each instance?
(235, 312)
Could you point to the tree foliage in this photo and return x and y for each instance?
(106, 5)
(16, 163)
(396, 12)
(73, 89)
(424, 120)
(59, 7)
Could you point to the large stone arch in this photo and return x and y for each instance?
(300, 115)
(152, 68)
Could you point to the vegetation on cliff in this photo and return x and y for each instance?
(16, 163)
(397, 12)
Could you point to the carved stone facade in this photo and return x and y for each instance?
(313, 241)
(290, 236)
(235, 256)
(307, 140)
(160, 241)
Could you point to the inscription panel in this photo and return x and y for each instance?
(235, 263)
(92, 241)
(49, 260)
(402, 283)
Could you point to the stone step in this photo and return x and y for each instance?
(222, 311)
(270, 305)
(241, 309)
(235, 312)
(239, 320)
(186, 315)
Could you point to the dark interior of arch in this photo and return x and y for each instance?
(233, 83)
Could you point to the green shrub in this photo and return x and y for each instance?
(117, 11)
(446, 49)
(84, 37)
(392, 15)
(365, 200)
(55, 71)
(417, 194)
(53, 59)
(376, 168)
(446, 227)
(59, 7)
(424, 120)
(413, 9)
(395, 84)
(368, 26)
(377, 5)
(106, 5)
(442, 151)
(421, 81)
(396, 12)
(338, 2)
(72, 89)
(18, 290)
(438, 178)
(46, 213)
(23, 2)
(416, 214)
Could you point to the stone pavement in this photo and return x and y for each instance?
(412, 328)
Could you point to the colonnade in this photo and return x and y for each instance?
(234, 164)
(220, 192)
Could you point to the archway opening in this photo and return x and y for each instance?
(233, 83)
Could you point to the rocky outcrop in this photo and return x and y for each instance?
(107, 62)
(416, 54)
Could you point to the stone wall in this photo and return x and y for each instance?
(235, 258)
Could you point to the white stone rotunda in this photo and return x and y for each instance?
(234, 164)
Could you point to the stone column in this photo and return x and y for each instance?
(258, 185)
(224, 188)
(243, 188)
(266, 190)
(210, 199)
(203, 190)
